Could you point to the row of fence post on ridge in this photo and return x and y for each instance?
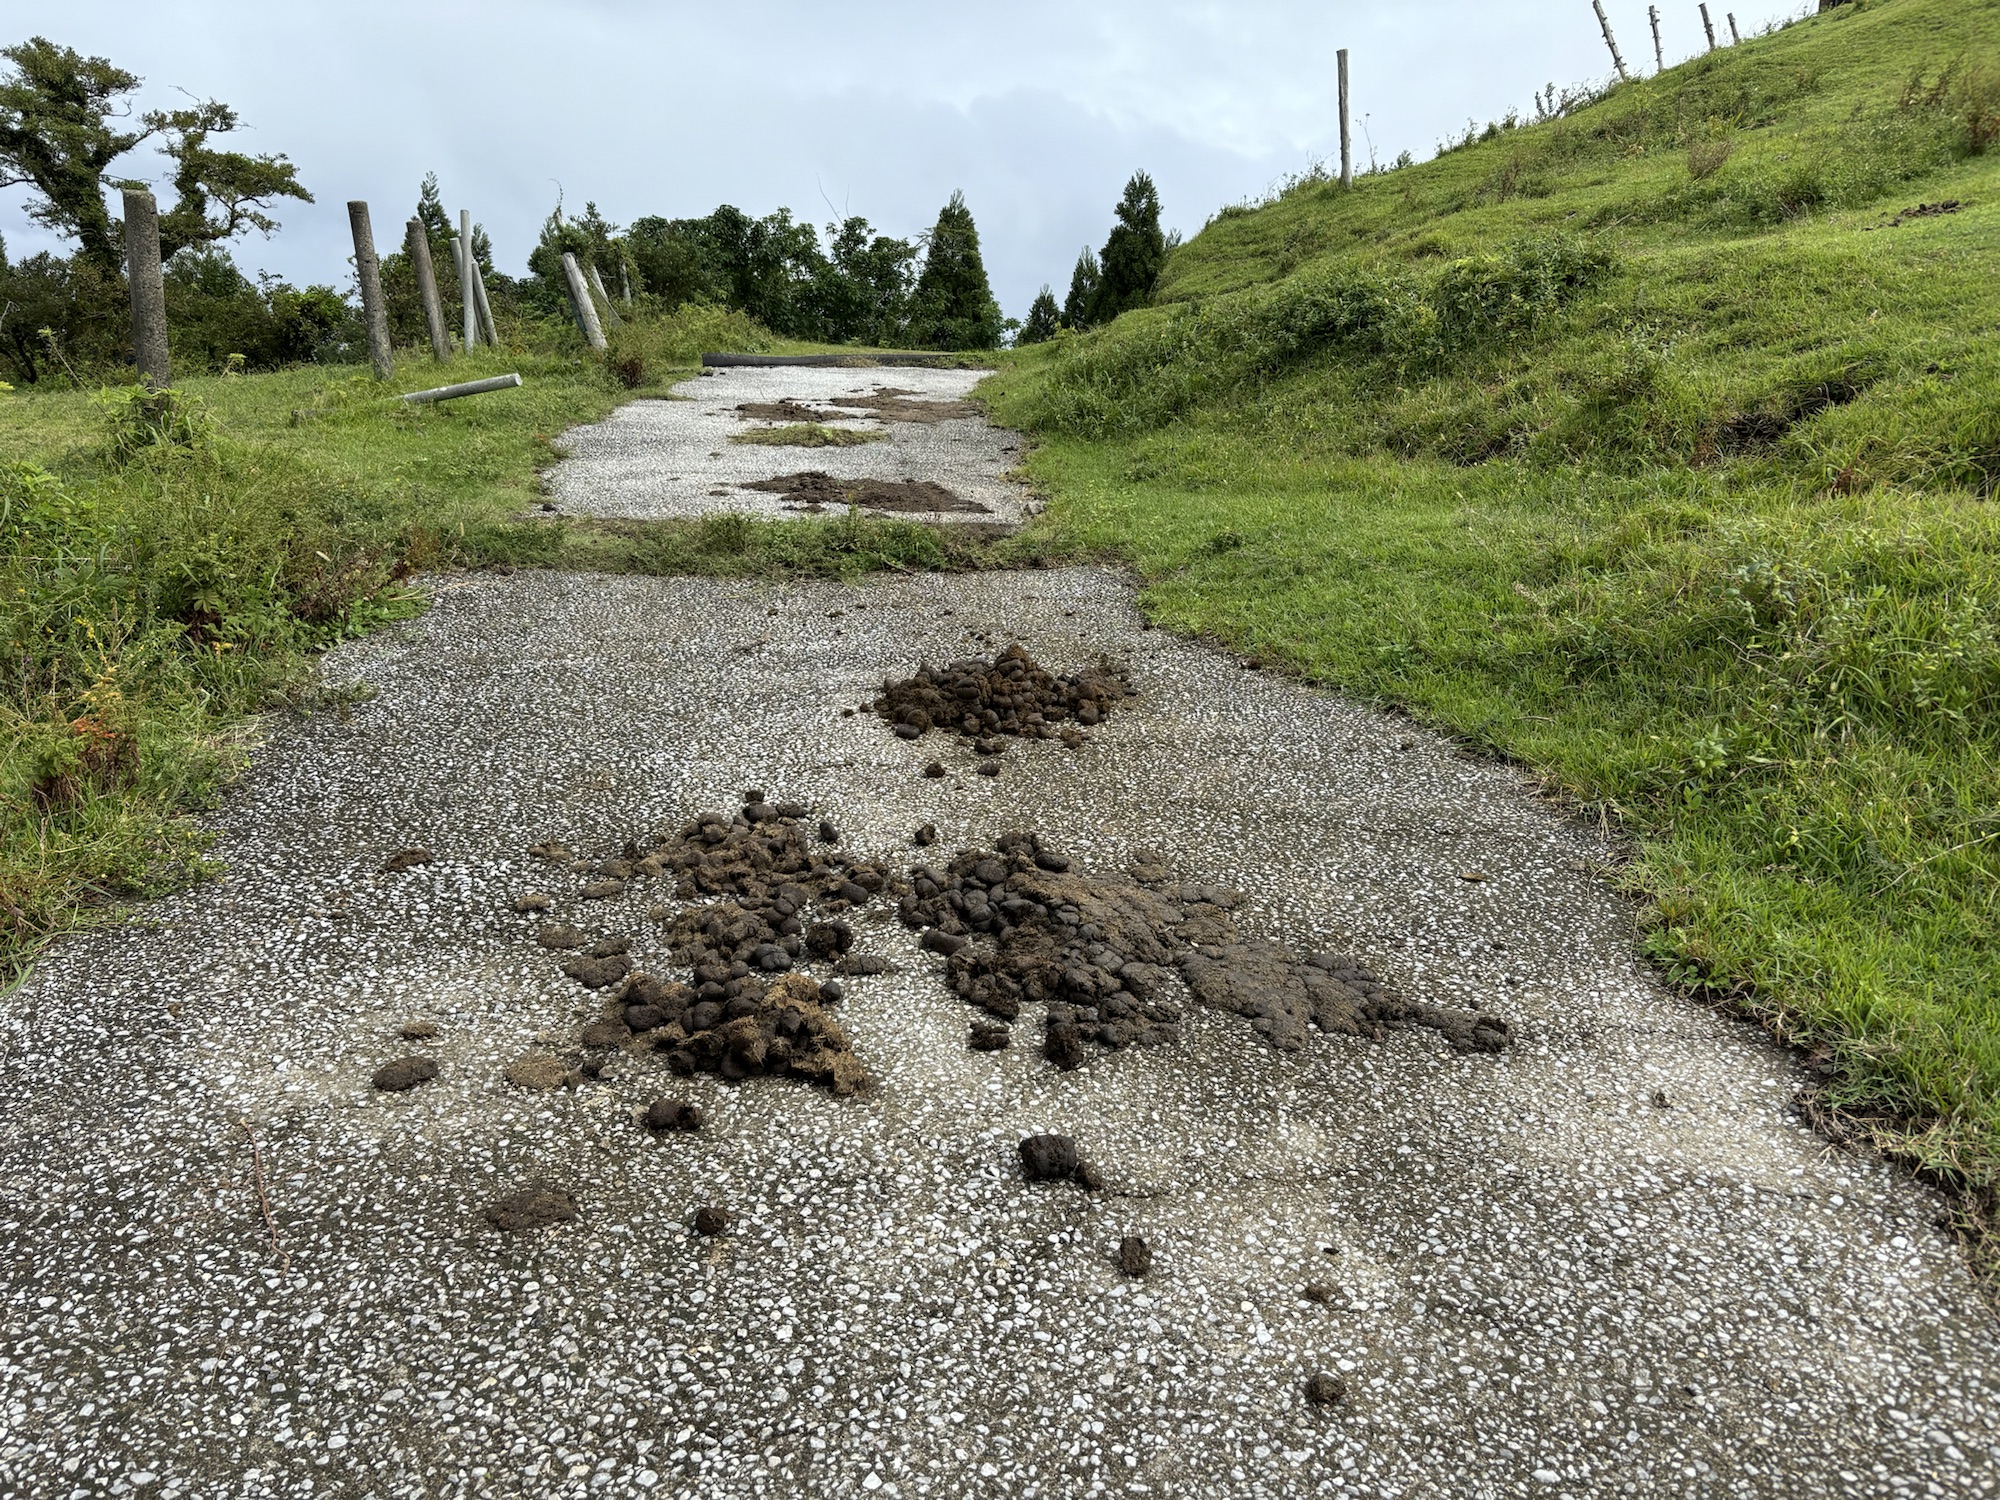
(149, 299)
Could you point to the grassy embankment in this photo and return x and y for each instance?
(1636, 447)
(159, 593)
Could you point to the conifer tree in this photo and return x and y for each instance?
(1044, 318)
(1082, 291)
(953, 306)
(1129, 265)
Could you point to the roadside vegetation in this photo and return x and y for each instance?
(1655, 445)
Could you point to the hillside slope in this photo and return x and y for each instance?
(1656, 446)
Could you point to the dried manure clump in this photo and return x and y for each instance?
(1016, 927)
(404, 1074)
(1010, 695)
(770, 892)
(532, 1208)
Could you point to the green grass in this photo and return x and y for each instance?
(1658, 465)
(161, 595)
(809, 435)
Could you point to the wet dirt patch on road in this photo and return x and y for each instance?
(816, 490)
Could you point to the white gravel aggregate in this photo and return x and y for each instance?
(658, 459)
(1549, 1285)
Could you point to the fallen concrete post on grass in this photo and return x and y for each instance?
(465, 388)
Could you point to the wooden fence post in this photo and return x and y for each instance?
(149, 290)
(427, 289)
(1346, 126)
(368, 272)
(610, 311)
(1617, 61)
(1659, 52)
(1708, 26)
(1735, 36)
(579, 301)
(468, 299)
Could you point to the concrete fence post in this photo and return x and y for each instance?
(1735, 36)
(1659, 52)
(611, 312)
(1346, 125)
(1604, 21)
(487, 330)
(427, 289)
(467, 269)
(149, 290)
(1708, 26)
(580, 303)
(368, 273)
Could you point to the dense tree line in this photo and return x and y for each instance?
(857, 285)
(65, 125)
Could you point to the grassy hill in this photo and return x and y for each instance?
(1655, 446)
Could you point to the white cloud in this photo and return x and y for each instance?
(1039, 110)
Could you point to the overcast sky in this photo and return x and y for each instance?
(1038, 110)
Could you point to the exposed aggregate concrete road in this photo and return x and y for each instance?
(653, 460)
(1541, 1280)
(1547, 1284)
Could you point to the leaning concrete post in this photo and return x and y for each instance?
(1610, 41)
(1735, 36)
(610, 312)
(1709, 27)
(579, 301)
(1659, 52)
(486, 329)
(149, 290)
(468, 298)
(427, 289)
(1346, 125)
(374, 311)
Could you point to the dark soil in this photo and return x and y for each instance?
(712, 1221)
(405, 859)
(404, 1074)
(814, 490)
(1326, 1389)
(1049, 1158)
(1135, 1256)
(786, 411)
(674, 1114)
(1016, 927)
(890, 405)
(532, 1208)
(1010, 695)
(770, 893)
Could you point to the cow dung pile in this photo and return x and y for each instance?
(1010, 695)
(1017, 927)
(776, 896)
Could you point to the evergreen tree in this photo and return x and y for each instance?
(431, 213)
(1082, 292)
(1044, 318)
(1131, 260)
(953, 306)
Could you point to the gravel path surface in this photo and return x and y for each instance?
(657, 459)
(1606, 1262)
